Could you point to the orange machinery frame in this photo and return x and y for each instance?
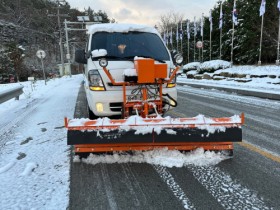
(150, 73)
(144, 113)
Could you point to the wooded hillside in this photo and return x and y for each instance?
(29, 25)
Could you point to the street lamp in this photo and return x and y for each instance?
(97, 18)
(83, 18)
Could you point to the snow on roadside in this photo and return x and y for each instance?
(257, 84)
(31, 91)
(266, 83)
(253, 70)
(214, 65)
(4, 87)
(34, 162)
(191, 66)
(225, 66)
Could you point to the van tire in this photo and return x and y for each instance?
(91, 115)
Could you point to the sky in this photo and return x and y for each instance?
(146, 12)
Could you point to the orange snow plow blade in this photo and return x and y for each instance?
(136, 133)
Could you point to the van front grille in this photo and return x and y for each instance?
(116, 107)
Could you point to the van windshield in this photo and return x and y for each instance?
(125, 45)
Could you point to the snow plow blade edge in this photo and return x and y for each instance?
(155, 133)
(233, 134)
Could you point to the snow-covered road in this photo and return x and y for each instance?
(34, 163)
(122, 181)
(262, 116)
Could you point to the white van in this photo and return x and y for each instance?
(123, 42)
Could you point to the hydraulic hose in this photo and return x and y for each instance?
(172, 99)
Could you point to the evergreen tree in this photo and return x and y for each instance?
(32, 16)
(247, 33)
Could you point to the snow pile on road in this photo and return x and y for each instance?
(163, 157)
(34, 162)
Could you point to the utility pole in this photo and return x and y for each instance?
(194, 40)
(82, 22)
(202, 26)
(278, 44)
(221, 28)
(60, 32)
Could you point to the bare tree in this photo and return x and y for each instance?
(15, 12)
(171, 19)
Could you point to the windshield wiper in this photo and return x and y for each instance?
(130, 58)
(110, 57)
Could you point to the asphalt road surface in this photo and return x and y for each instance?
(250, 180)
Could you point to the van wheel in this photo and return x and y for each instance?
(91, 115)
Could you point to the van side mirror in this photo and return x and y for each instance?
(177, 58)
(80, 56)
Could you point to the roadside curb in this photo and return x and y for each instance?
(259, 94)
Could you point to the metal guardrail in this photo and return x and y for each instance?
(11, 93)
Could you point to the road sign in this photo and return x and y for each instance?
(30, 78)
(199, 44)
(41, 54)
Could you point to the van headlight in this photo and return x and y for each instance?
(99, 107)
(173, 81)
(95, 81)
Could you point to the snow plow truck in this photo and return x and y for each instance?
(129, 72)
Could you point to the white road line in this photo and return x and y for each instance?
(175, 188)
(229, 193)
(128, 176)
(108, 188)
